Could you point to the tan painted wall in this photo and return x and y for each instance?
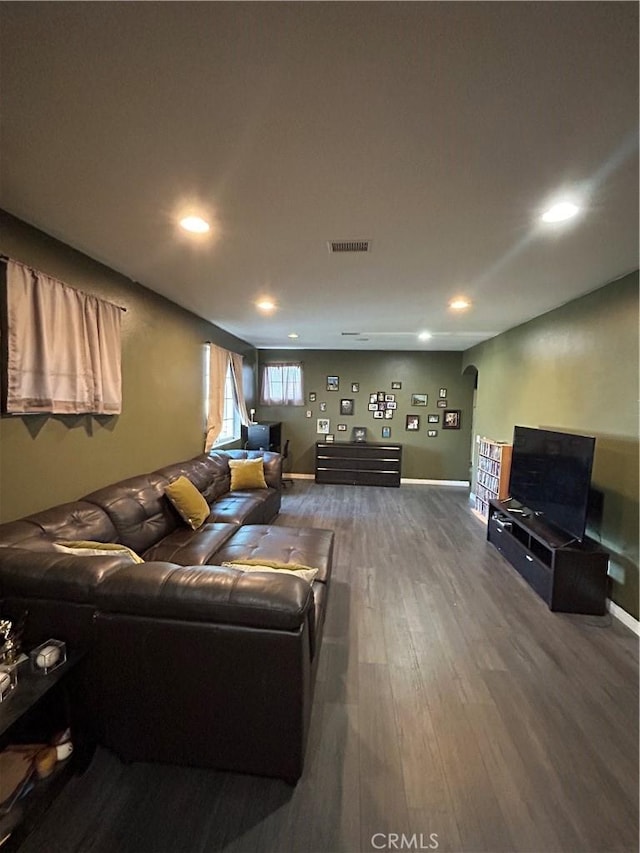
(445, 457)
(45, 460)
(575, 369)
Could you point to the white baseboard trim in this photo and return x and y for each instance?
(626, 618)
(412, 481)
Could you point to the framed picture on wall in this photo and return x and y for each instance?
(312, 396)
(378, 414)
(333, 383)
(441, 404)
(396, 386)
(342, 427)
(412, 423)
(451, 419)
(346, 407)
(322, 426)
(388, 414)
(419, 399)
(329, 437)
(386, 432)
(433, 419)
(432, 433)
(443, 393)
(355, 387)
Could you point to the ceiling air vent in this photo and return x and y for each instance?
(338, 246)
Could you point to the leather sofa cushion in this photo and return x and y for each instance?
(207, 594)
(138, 509)
(55, 576)
(209, 475)
(24, 534)
(75, 520)
(191, 547)
(306, 546)
(244, 507)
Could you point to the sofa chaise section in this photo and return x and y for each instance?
(190, 662)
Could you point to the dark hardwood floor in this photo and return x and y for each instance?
(452, 707)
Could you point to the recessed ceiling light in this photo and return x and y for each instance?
(293, 335)
(459, 303)
(424, 336)
(559, 212)
(194, 224)
(265, 305)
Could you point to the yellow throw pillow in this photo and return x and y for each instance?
(189, 502)
(247, 474)
(83, 548)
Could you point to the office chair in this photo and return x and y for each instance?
(286, 481)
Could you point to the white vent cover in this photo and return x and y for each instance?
(338, 246)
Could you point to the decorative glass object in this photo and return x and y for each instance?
(48, 656)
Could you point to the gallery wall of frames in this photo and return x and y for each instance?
(419, 399)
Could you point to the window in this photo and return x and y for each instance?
(281, 385)
(230, 419)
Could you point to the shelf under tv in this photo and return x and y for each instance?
(570, 576)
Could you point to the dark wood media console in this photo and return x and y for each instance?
(570, 577)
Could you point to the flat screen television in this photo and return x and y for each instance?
(551, 476)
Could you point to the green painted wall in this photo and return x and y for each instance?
(45, 460)
(446, 457)
(575, 369)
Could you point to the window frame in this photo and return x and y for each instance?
(266, 381)
(231, 415)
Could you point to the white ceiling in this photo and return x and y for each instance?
(438, 130)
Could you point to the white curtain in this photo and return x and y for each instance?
(64, 352)
(281, 385)
(218, 363)
(236, 370)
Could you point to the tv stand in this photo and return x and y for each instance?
(570, 577)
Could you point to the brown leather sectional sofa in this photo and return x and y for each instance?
(188, 662)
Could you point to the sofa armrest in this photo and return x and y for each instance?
(211, 594)
(272, 469)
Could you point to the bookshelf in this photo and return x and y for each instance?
(492, 474)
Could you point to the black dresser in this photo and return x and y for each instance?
(358, 463)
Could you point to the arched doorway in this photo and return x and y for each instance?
(472, 370)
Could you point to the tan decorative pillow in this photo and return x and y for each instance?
(275, 564)
(83, 548)
(247, 474)
(189, 502)
(306, 574)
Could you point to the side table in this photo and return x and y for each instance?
(39, 706)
